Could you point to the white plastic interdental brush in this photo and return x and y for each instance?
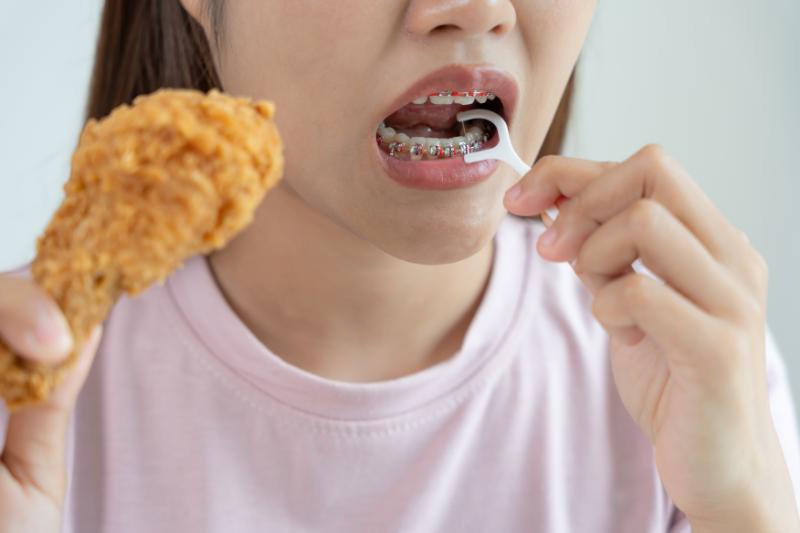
(504, 151)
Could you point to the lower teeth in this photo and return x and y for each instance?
(401, 146)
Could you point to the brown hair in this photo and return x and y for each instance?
(145, 45)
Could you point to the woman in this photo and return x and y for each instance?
(385, 348)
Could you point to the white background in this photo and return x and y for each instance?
(716, 82)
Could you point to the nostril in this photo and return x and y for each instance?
(500, 29)
(444, 28)
(472, 18)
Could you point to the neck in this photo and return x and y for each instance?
(333, 304)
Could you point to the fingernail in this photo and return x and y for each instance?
(514, 192)
(52, 333)
(549, 237)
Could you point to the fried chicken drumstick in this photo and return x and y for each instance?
(176, 174)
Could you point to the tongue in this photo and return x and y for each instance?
(427, 120)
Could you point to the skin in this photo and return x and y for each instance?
(423, 256)
(696, 341)
(688, 355)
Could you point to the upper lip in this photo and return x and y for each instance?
(464, 78)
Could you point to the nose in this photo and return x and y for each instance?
(469, 17)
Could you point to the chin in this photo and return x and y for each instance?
(443, 239)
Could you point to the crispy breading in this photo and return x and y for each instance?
(176, 174)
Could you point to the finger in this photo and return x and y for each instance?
(552, 178)
(593, 282)
(636, 300)
(31, 322)
(35, 447)
(648, 231)
(649, 173)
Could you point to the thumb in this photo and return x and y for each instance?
(35, 448)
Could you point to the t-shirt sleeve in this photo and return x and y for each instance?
(783, 416)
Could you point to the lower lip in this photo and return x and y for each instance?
(438, 174)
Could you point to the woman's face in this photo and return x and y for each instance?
(336, 70)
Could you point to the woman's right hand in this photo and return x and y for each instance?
(33, 474)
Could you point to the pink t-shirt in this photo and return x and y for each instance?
(188, 423)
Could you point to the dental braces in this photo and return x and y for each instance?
(463, 93)
(479, 95)
(432, 150)
(418, 151)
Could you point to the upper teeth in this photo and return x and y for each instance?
(449, 97)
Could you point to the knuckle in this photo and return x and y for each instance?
(653, 151)
(636, 290)
(644, 217)
(756, 269)
(655, 154)
(750, 308)
(749, 260)
(760, 267)
(542, 175)
(580, 259)
(603, 304)
(658, 166)
(573, 205)
(547, 161)
(571, 209)
(546, 166)
(743, 237)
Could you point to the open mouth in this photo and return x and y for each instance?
(426, 129)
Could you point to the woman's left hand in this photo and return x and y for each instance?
(688, 354)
